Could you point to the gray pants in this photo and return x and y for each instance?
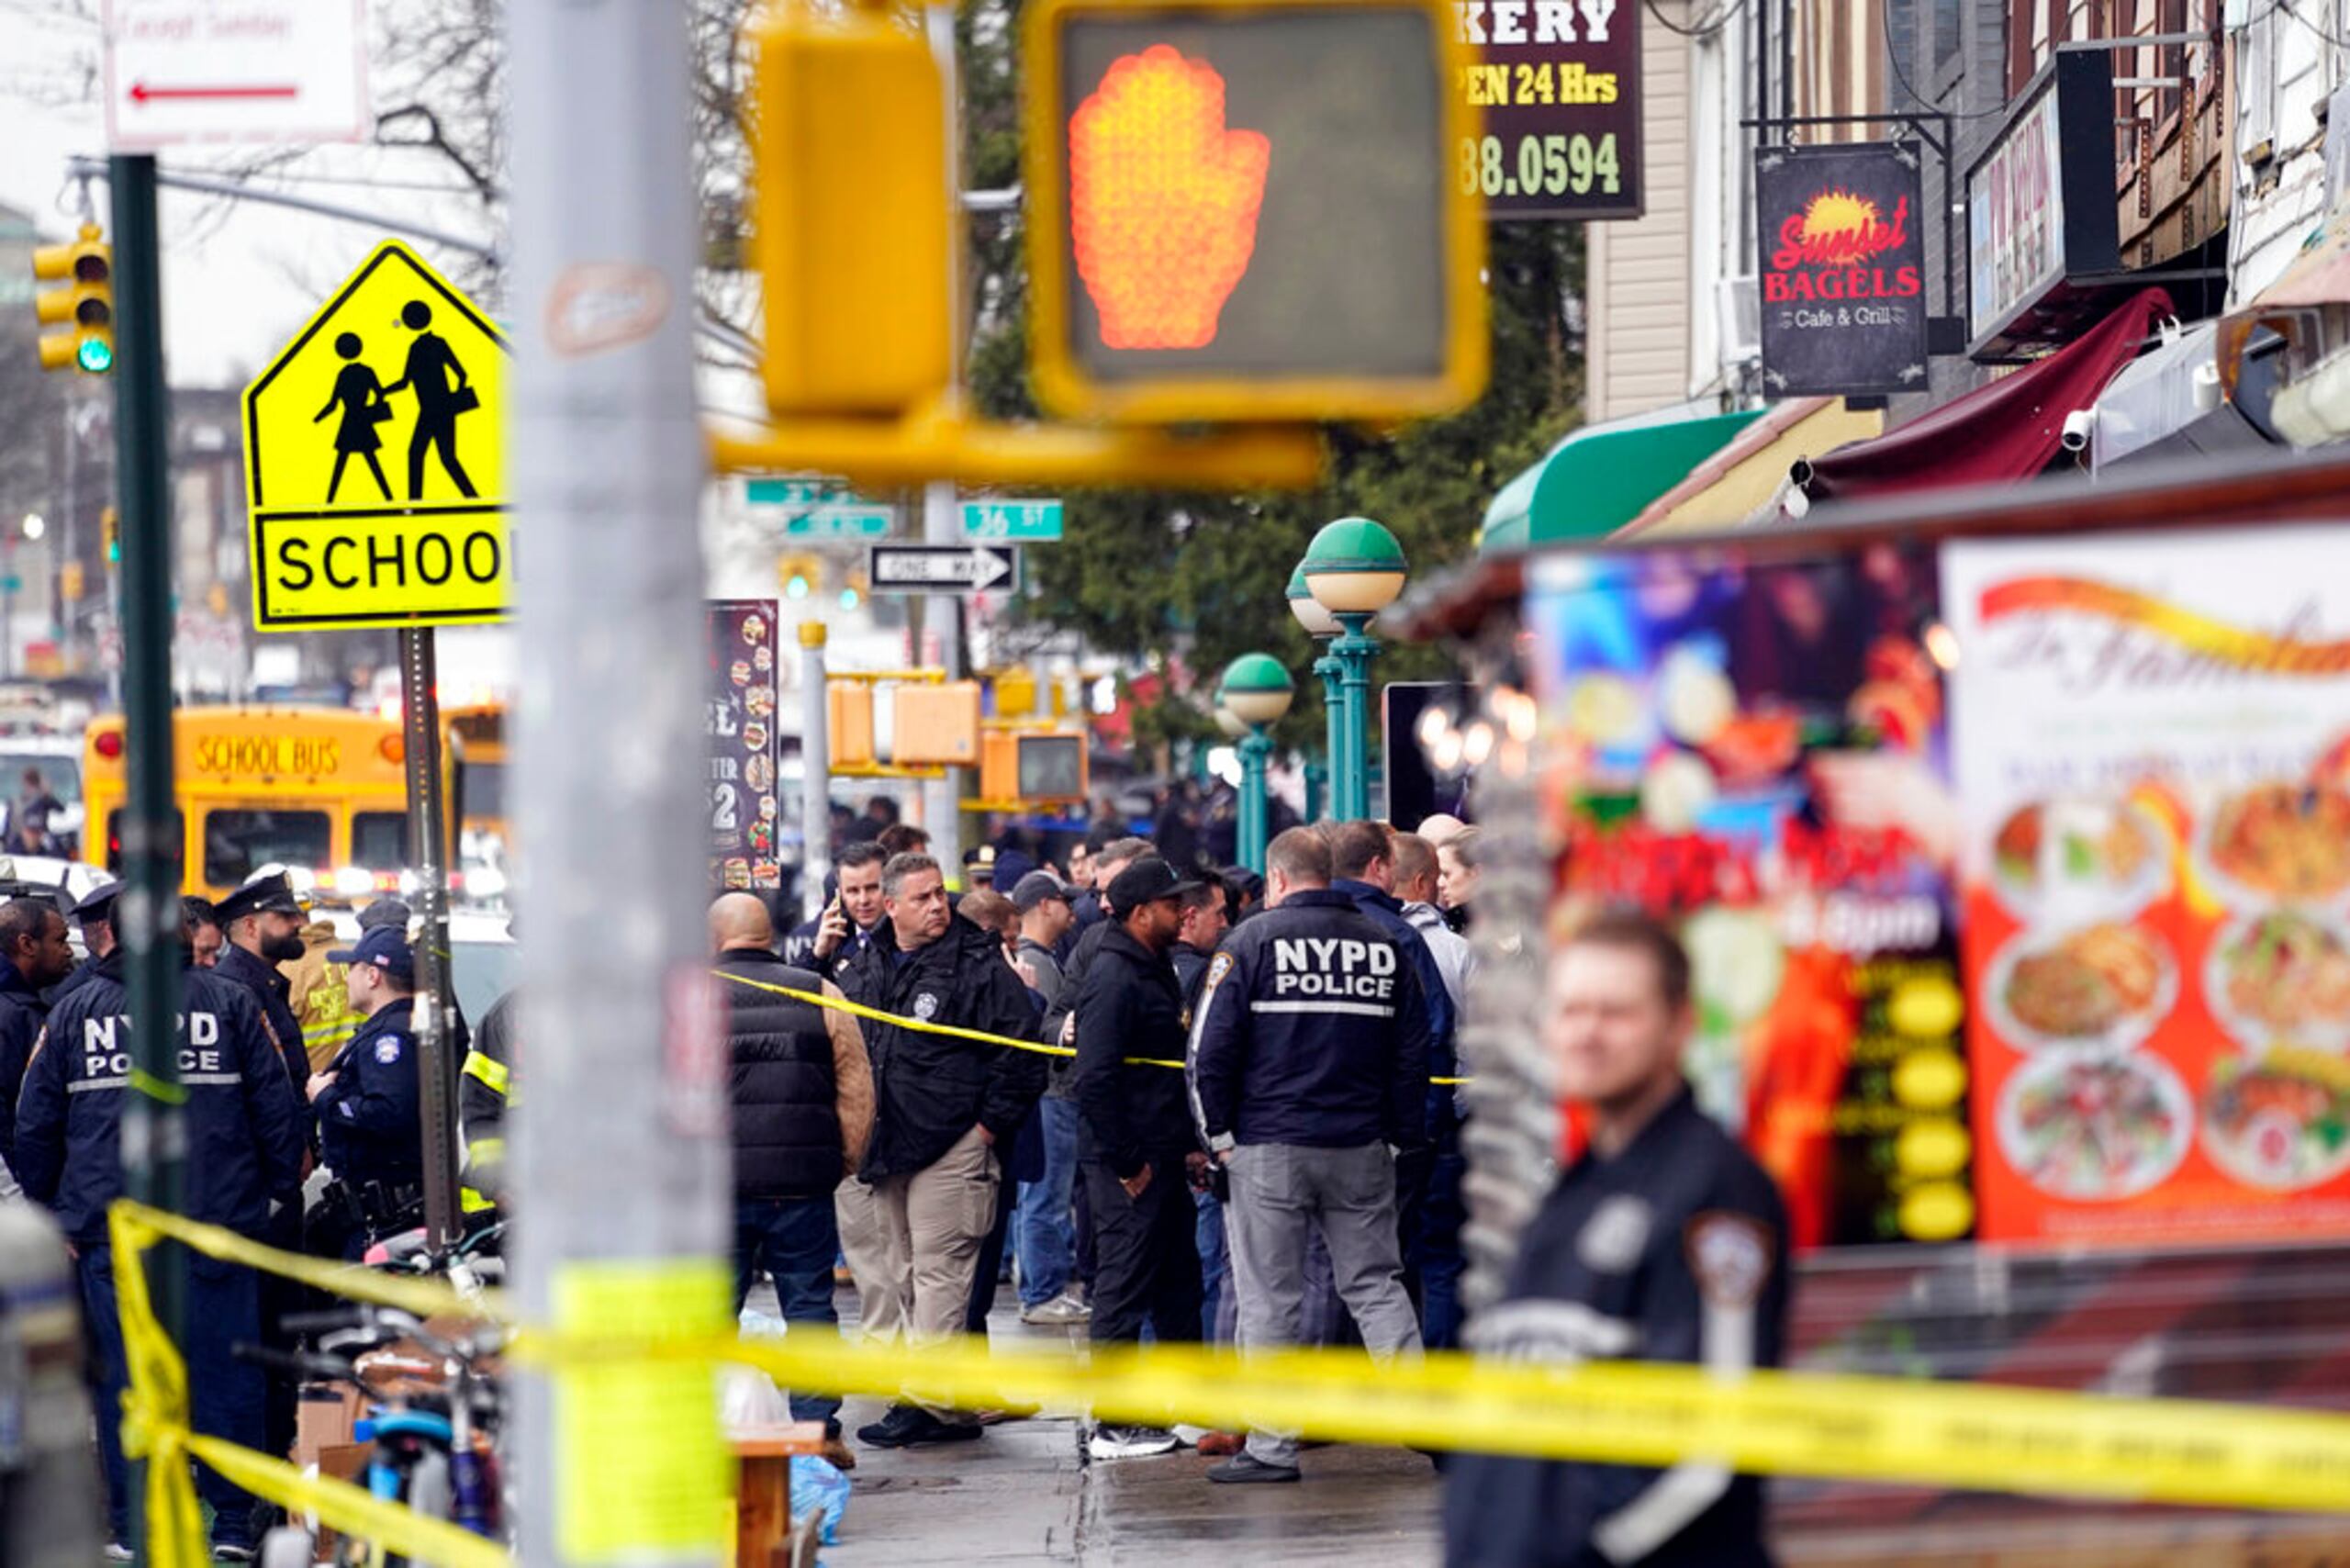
(1278, 1193)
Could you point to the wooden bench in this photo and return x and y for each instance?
(764, 1536)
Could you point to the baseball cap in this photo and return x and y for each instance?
(384, 912)
(1147, 879)
(384, 947)
(1036, 886)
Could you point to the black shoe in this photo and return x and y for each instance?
(1243, 1468)
(933, 1431)
(895, 1429)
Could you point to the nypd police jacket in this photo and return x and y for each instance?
(245, 1138)
(1310, 1029)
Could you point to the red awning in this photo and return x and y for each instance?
(2006, 432)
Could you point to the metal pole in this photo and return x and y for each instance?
(147, 916)
(816, 770)
(68, 539)
(620, 1157)
(942, 616)
(1255, 813)
(1334, 734)
(428, 833)
(1353, 651)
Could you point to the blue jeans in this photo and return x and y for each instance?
(1439, 1258)
(794, 1240)
(1219, 1302)
(226, 1394)
(1047, 1234)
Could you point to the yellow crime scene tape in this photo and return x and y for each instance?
(1879, 1429)
(923, 1026)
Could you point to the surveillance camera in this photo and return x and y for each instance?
(2077, 429)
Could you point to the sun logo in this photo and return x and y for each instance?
(1837, 228)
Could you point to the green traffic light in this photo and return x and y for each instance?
(95, 355)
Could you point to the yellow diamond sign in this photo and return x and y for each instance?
(376, 459)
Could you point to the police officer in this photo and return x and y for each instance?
(243, 1121)
(367, 1101)
(1663, 1242)
(95, 915)
(485, 1096)
(1308, 1066)
(33, 956)
(262, 922)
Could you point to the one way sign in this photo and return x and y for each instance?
(942, 568)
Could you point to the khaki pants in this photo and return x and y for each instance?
(913, 1243)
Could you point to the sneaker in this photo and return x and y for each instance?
(1243, 1468)
(899, 1424)
(935, 1431)
(231, 1551)
(1220, 1445)
(1129, 1442)
(1064, 1311)
(118, 1552)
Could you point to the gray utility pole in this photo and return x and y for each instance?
(942, 617)
(620, 1154)
(816, 769)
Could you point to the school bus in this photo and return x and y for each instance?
(322, 791)
(476, 747)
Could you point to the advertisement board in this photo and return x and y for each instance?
(1757, 753)
(1557, 88)
(745, 804)
(2152, 739)
(1842, 271)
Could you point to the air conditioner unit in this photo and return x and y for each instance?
(1737, 305)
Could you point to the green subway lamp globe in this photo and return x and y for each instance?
(1354, 568)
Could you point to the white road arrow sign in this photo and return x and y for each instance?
(249, 72)
(942, 568)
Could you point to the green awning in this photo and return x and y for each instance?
(1603, 476)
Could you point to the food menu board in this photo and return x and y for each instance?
(2152, 749)
(1758, 753)
(743, 807)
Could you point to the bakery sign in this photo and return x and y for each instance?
(1843, 269)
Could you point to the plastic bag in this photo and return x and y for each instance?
(819, 1488)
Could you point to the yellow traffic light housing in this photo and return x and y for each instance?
(1243, 210)
(85, 305)
(854, 211)
(110, 530)
(798, 576)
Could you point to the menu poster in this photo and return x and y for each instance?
(2152, 748)
(742, 746)
(1757, 753)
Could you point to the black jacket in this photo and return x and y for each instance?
(21, 1016)
(271, 990)
(1673, 1250)
(786, 1116)
(244, 1139)
(1386, 911)
(1129, 1114)
(369, 1125)
(1310, 1029)
(929, 1090)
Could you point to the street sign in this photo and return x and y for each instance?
(942, 568)
(266, 72)
(858, 522)
(804, 492)
(1030, 521)
(398, 364)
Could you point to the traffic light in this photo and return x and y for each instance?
(85, 302)
(853, 208)
(798, 576)
(110, 530)
(1034, 767)
(1242, 210)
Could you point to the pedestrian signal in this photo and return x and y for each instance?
(1040, 767)
(85, 304)
(110, 530)
(1241, 211)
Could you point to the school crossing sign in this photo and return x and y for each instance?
(376, 460)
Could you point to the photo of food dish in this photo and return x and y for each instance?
(2284, 974)
(760, 701)
(2281, 1121)
(737, 871)
(2106, 984)
(763, 659)
(2103, 858)
(740, 672)
(760, 772)
(755, 629)
(755, 738)
(2281, 841)
(2094, 1128)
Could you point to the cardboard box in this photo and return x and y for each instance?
(323, 1419)
(345, 1462)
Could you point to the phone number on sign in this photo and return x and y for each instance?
(1543, 165)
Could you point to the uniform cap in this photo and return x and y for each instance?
(1036, 886)
(1146, 882)
(384, 912)
(99, 902)
(270, 893)
(384, 947)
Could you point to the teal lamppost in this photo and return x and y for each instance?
(1257, 691)
(1321, 626)
(1354, 569)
